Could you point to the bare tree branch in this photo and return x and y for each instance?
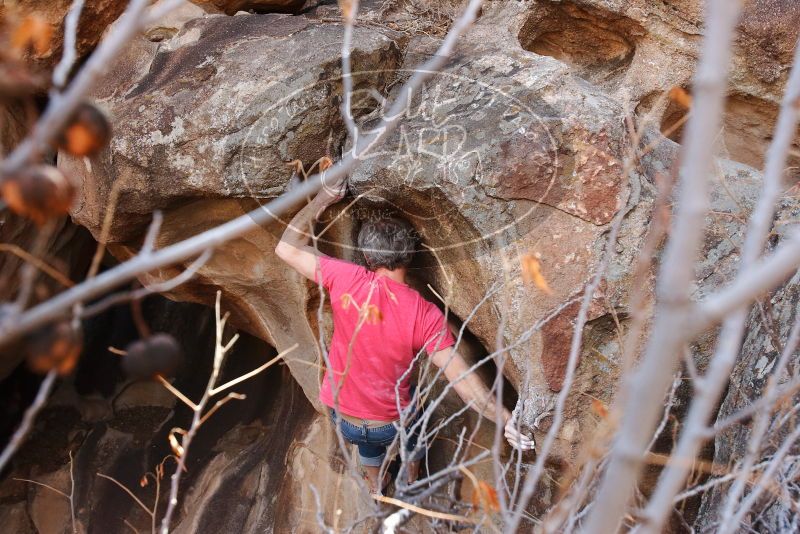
(213, 238)
(41, 265)
(765, 478)
(70, 496)
(27, 420)
(61, 105)
(763, 276)
(711, 386)
(220, 350)
(760, 427)
(70, 53)
(254, 372)
(129, 492)
(649, 385)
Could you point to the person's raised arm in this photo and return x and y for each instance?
(469, 386)
(294, 248)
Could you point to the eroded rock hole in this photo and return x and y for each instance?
(600, 45)
(747, 129)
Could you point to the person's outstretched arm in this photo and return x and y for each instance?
(294, 248)
(472, 390)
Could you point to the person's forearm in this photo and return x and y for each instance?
(474, 392)
(298, 231)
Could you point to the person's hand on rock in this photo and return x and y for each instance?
(516, 438)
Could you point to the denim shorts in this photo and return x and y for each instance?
(373, 442)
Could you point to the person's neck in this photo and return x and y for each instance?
(398, 275)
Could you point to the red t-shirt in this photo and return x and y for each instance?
(397, 324)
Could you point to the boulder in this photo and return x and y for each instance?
(220, 109)
(638, 50)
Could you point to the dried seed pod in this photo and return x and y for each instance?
(87, 132)
(159, 354)
(57, 346)
(39, 192)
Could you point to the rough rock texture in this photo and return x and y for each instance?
(639, 49)
(515, 148)
(238, 111)
(763, 344)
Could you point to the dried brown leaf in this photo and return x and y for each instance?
(599, 408)
(484, 496)
(680, 97)
(374, 314)
(177, 449)
(532, 273)
(33, 32)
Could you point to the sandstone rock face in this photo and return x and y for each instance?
(517, 148)
(637, 50)
(238, 111)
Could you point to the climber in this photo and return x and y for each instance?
(379, 325)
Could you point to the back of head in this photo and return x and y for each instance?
(387, 242)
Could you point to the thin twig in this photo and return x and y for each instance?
(152, 233)
(423, 511)
(43, 266)
(219, 404)
(48, 486)
(175, 391)
(160, 287)
(650, 383)
(70, 53)
(27, 420)
(129, 492)
(170, 255)
(254, 372)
